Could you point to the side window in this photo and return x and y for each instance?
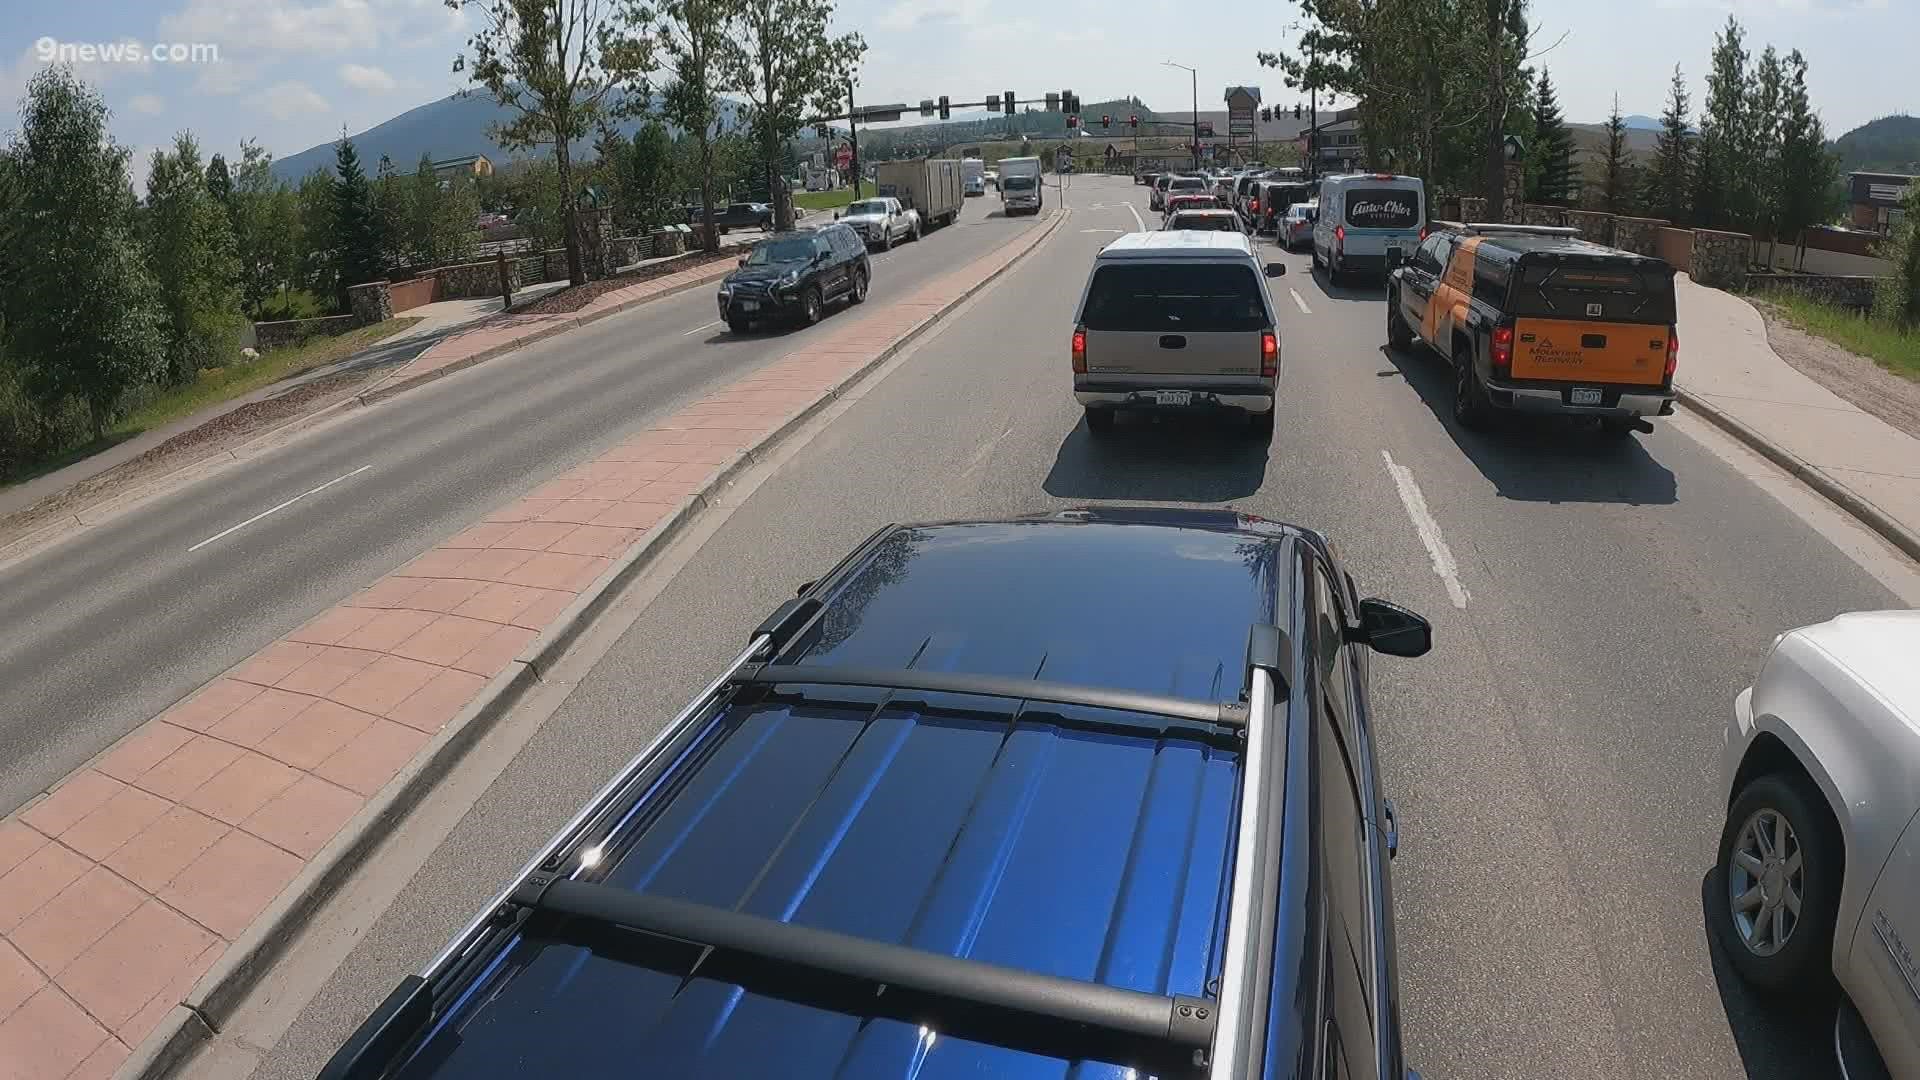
(849, 246)
(1330, 646)
(1428, 258)
(821, 247)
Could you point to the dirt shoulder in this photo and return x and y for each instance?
(1870, 387)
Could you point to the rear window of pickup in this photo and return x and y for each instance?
(1607, 293)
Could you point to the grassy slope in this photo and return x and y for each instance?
(1896, 350)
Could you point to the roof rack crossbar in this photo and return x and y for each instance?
(1136, 1026)
(1225, 714)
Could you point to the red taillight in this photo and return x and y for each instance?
(1269, 354)
(1423, 234)
(1503, 347)
(1079, 352)
(1340, 236)
(1673, 349)
(1256, 206)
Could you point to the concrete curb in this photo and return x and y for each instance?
(1846, 498)
(237, 971)
(388, 387)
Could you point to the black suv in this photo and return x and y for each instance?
(796, 273)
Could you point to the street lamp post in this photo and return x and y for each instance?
(1196, 108)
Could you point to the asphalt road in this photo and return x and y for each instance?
(112, 626)
(1553, 759)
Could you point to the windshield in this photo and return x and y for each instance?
(1187, 183)
(1018, 183)
(1213, 222)
(869, 206)
(1157, 297)
(794, 249)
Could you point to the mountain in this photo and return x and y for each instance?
(1592, 138)
(1637, 122)
(454, 126)
(1889, 144)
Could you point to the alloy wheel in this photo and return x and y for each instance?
(1766, 882)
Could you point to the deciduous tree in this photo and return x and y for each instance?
(1722, 194)
(1807, 168)
(781, 58)
(190, 251)
(695, 36)
(1897, 297)
(82, 319)
(559, 66)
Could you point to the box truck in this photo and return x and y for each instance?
(929, 185)
(1020, 185)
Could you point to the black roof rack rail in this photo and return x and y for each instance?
(1051, 1014)
(1225, 714)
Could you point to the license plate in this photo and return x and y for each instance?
(749, 305)
(1584, 396)
(1173, 397)
(1393, 251)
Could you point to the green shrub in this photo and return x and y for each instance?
(290, 304)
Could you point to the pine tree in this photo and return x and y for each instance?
(83, 318)
(1552, 150)
(1761, 162)
(356, 224)
(1616, 191)
(1667, 192)
(1807, 168)
(1722, 185)
(390, 210)
(219, 182)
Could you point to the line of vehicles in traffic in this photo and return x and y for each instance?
(849, 852)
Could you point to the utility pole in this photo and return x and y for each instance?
(1196, 108)
(1313, 119)
(853, 137)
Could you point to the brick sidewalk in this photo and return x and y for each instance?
(124, 886)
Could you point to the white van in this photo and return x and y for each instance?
(1363, 216)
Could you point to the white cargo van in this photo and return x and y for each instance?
(1363, 216)
(1020, 185)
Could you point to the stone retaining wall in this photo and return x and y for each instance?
(627, 250)
(1638, 235)
(370, 303)
(472, 281)
(1473, 208)
(556, 264)
(1594, 226)
(1720, 258)
(1675, 246)
(273, 335)
(1533, 214)
(408, 295)
(1846, 290)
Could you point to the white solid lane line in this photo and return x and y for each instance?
(1137, 219)
(1429, 530)
(277, 509)
(1300, 303)
(704, 326)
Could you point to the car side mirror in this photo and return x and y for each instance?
(743, 260)
(1276, 269)
(1386, 627)
(1394, 259)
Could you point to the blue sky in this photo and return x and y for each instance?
(292, 72)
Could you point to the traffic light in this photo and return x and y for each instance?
(1296, 110)
(946, 110)
(1106, 121)
(820, 130)
(993, 103)
(1007, 99)
(1134, 121)
(1266, 114)
(1072, 121)
(1069, 102)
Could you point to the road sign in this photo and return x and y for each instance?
(842, 156)
(1206, 129)
(1111, 151)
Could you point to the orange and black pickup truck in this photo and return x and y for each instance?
(1535, 319)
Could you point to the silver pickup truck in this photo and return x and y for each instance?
(882, 221)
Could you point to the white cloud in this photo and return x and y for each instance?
(228, 77)
(907, 14)
(364, 77)
(147, 103)
(325, 26)
(290, 99)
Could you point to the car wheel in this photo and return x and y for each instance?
(1471, 410)
(915, 233)
(886, 239)
(1776, 891)
(1399, 334)
(859, 290)
(810, 306)
(739, 325)
(1100, 421)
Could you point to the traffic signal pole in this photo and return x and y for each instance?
(853, 137)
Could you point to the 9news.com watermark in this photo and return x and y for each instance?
(54, 51)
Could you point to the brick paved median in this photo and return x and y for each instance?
(125, 885)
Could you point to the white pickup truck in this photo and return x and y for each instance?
(882, 221)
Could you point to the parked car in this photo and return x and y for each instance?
(742, 215)
(1209, 220)
(1177, 321)
(1818, 877)
(880, 222)
(1364, 219)
(1126, 818)
(1295, 230)
(796, 275)
(1535, 319)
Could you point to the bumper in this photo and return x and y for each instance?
(766, 305)
(1247, 393)
(1733, 742)
(1614, 403)
(1363, 264)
